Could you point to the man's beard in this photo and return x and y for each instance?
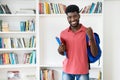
(75, 25)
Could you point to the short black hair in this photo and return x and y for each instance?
(72, 8)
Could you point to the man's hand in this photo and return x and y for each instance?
(89, 32)
(61, 49)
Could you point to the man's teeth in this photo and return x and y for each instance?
(73, 22)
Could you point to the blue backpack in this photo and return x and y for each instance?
(91, 58)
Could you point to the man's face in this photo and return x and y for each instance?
(73, 19)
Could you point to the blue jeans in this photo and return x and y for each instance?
(66, 76)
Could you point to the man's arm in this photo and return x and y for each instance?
(93, 46)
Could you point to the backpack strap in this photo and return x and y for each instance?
(87, 40)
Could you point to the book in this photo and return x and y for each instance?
(59, 42)
(33, 57)
(1, 10)
(5, 26)
(13, 75)
(6, 8)
(11, 58)
(92, 8)
(99, 75)
(22, 26)
(1, 25)
(31, 25)
(0, 42)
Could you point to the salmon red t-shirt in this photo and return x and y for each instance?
(76, 49)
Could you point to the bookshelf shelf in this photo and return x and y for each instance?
(18, 32)
(46, 15)
(18, 49)
(18, 66)
(60, 66)
(94, 14)
(51, 66)
(17, 15)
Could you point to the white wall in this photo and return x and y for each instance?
(111, 40)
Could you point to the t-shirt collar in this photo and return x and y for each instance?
(81, 29)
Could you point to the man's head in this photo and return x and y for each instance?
(72, 12)
(72, 8)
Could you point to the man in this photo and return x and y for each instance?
(74, 43)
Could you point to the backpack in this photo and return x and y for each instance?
(91, 58)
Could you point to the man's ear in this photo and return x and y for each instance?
(79, 15)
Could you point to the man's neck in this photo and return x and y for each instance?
(74, 29)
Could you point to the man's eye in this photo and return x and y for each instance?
(69, 17)
(75, 16)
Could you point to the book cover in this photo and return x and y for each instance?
(7, 9)
(1, 10)
(5, 26)
(31, 25)
(2, 7)
(59, 42)
(1, 25)
(22, 26)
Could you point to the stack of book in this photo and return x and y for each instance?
(47, 74)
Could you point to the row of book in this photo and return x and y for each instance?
(4, 27)
(47, 74)
(28, 25)
(30, 58)
(51, 8)
(18, 42)
(59, 8)
(25, 26)
(12, 58)
(92, 8)
(4, 9)
(8, 58)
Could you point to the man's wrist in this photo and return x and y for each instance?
(91, 39)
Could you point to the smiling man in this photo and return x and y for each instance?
(74, 43)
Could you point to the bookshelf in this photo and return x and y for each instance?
(47, 26)
(27, 62)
